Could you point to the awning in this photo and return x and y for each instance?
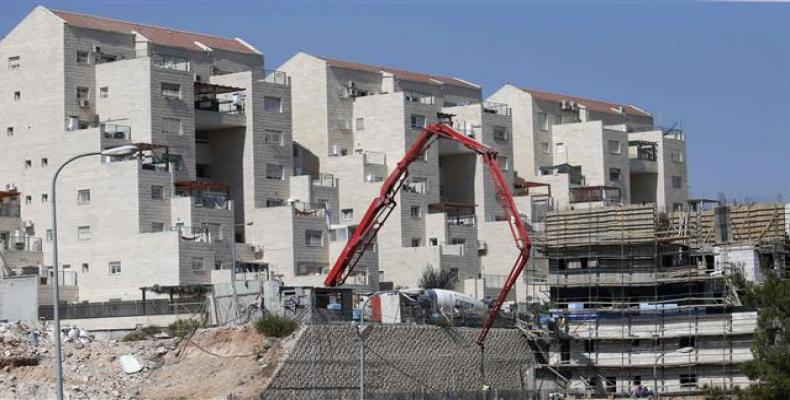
(8, 194)
(202, 88)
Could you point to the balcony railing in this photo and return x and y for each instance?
(496, 108)
(115, 131)
(172, 62)
(375, 157)
(22, 243)
(466, 220)
(594, 194)
(223, 106)
(413, 97)
(10, 210)
(276, 77)
(325, 180)
(308, 209)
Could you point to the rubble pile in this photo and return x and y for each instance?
(159, 366)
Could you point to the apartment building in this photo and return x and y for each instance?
(595, 152)
(645, 298)
(212, 126)
(356, 121)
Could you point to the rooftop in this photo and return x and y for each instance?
(400, 74)
(157, 35)
(592, 105)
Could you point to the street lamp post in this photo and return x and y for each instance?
(114, 151)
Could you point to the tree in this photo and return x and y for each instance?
(433, 278)
(771, 341)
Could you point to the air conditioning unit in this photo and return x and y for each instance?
(84, 103)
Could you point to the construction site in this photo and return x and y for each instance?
(332, 230)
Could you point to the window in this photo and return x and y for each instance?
(14, 62)
(687, 341)
(313, 238)
(416, 211)
(44, 162)
(82, 57)
(415, 242)
(83, 196)
(28, 164)
(49, 235)
(589, 346)
(677, 206)
(559, 147)
(677, 156)
(157, 227)
(504, 163)
(310, 268)
(417, 121)
(84, 232)
(17, 96)
(83, 92)
(360, 124)
(347, 214)
(677, 182)
(543, 121)
(9, 131)
(104, 92)
(274, 171)
(273, 137)
(636, 380)
(66, 266)
(115, 267)
(272, 104)
(172, 126)
(615, 174)
(458, 241)
(433, 242)
(197, 264)
(44, 198)
(546, 147)
(688, 380)
(614, 147)
(500, 133)
(157, 192)
(416, 185)
(28, 200)
(171, 90)
(85, 267)
(274, 202)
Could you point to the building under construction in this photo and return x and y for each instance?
(642, 298)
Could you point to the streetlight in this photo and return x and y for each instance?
(687, 349)
(118, 151)
(363, 332)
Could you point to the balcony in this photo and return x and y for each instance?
(214, 196)
(642, 155)
(414, 97)
(304, 209)
(219, 106)
(593, 194)
(574, 172)
(21, 243)
(497, 108)
(9, 204)
(324, 180)
(276, 77)
(107, 129)
(172, 63)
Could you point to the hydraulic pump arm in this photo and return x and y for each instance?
(381, 207)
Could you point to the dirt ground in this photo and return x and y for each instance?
(230, 362)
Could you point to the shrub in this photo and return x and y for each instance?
(183, 327)
(141, 333)
(275, 326)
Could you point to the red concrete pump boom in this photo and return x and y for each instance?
(381, 207)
